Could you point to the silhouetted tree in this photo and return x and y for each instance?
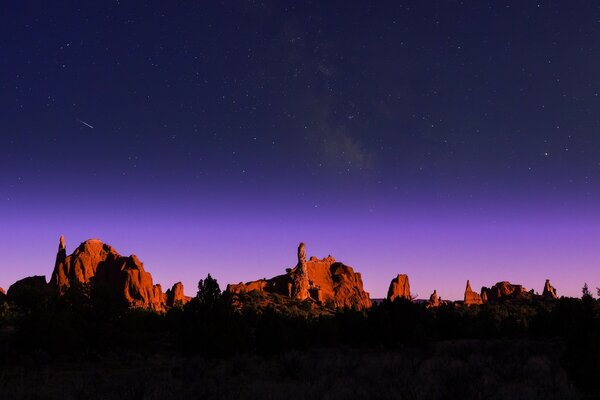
(209, 291)
(585, 292)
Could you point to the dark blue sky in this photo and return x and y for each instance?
(475, 111)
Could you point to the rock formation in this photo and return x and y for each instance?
(434, 300)
(549, 291)
(28, 291)
(175, 296)
(504, 290)
(301, 253)
(324, 281)
(123, 276)
(399, 288)
(2, 295)
(471, 297)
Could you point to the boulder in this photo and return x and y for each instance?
(323, 281)
(28, 291)
(175, 295)
(549, 291)
(471, 298)
(399, 288)
(124, 277)
(504, 290)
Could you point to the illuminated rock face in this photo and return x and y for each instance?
(399, 288)
(471, 298)
(549, 291)
(324, 281)
(175, 295)
(125, 277)
(504, 290)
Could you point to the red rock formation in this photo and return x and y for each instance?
(504, 290)
(549, 291)
(175, 295)
(434, 300)
(399, 288)
(2, 295)
(471, 297)
(124, 276)
(325, 281)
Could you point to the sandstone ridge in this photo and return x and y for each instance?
(324, 281)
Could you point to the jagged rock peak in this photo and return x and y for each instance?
(399, 288)
(471, 297)
(124, 276)
(549, 291)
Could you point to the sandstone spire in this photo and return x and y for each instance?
(301, 253)
(300, 284)
(399, 288)
(470, 296)
(549, 291)
(434, 300)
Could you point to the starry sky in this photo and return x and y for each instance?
(447, 140)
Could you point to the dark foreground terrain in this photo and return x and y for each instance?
(490, 369)
(85, 344)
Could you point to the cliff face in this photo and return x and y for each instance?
(325, 281)
(471, 298)
(125, 277)
(399, 288)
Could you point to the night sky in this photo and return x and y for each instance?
(446, 140)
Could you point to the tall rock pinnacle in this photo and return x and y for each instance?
(549, 291)
(471, 297)
(399, 288)
(301, 253)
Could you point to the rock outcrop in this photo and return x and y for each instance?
(434, 300)
(471, 298)
(549, 291)
(324, 281)
(124, 277)
(175, 295)
(399, 288)
(504, 290)
(2, 295)
(28, 291)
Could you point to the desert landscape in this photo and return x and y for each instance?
(101, 328)
(282, 199)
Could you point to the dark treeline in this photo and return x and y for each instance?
(87, 324)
